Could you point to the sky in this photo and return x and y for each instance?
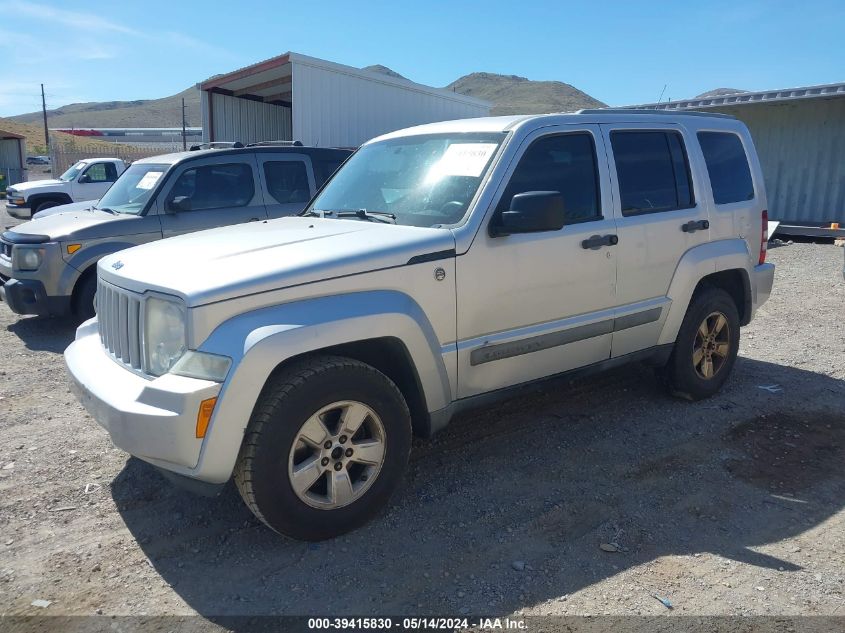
(619, 52)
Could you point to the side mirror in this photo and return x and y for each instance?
(531, 212)
(179, 203)
(84, 179)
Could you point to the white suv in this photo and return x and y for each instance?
(441, 267)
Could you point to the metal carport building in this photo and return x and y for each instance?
(321, 103)
(12, 152)
(799, 134)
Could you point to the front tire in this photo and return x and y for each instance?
(83, 297)
(707, 345)
(49, 204)
(326, 446)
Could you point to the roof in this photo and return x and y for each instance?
(824, 91)
(178, 157)
(4, 134)
(271, 80)
(495, 124)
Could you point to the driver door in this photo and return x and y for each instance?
(532, 305)
(212, 192)
(94, 181)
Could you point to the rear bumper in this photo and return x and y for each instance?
(28, 296)
(764, 278)
(152, 419)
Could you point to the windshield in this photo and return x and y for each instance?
(73, 172)
(426, 180)
(130, 192)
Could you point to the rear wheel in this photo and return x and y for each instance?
(325, 448)
(707, 345)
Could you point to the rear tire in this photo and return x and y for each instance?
(299, 432)
(707, 345)
(83, 297)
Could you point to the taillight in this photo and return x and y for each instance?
(764, 237)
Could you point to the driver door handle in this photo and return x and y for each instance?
(595, 242)
(695, 225)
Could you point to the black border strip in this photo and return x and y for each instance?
(431, 257)
(490, 353)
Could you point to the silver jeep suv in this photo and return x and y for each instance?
(441, 267)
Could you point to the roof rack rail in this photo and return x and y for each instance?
(652, 111)
(276, 143)
(216, 145)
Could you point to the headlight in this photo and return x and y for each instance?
(24, 258)
(164, 334)
(202, 365)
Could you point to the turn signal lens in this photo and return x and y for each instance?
(204, 416)
(72, 248)
(764, 237)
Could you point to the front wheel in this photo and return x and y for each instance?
(707, 345)
(325, 448)
(83, 297)
(49, 204)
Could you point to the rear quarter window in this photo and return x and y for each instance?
(727, 166)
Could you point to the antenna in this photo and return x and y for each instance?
(661, 93)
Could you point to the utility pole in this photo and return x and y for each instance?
(44, 112)
(184, 133)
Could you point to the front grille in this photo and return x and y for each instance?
(119, 322)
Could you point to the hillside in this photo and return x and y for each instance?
(165, 112)
(34, 135)
(719, 92)
(508, 93)
(517, 95)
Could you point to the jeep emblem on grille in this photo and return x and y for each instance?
(117, 265)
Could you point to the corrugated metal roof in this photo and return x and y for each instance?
(825, 91)
(5, 134)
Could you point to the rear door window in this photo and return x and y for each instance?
(212, 187)
(653, 171)
(727, 166)
(287, 181)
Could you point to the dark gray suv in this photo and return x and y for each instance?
(48, 265)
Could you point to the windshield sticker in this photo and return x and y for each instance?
(149, 180)
(463, 159)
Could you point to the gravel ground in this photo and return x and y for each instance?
(730, 506)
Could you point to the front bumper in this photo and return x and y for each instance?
(28, 296)
(764, 279)
(18, 208)
(152, 419)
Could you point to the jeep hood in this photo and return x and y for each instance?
(78, 222)
(229, 262)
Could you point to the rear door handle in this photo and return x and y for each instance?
(595, 242)
(695, 225)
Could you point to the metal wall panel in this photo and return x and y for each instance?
(801, 145)
(10, 153)
(244, 120)
(336, 109)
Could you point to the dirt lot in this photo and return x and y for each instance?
(728, 506)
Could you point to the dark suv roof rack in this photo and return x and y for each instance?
(216, 145)
(276, 143)
(650, 111)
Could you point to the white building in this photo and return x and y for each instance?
(296, 97)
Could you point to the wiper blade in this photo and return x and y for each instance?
(106, 209)
(378, 216)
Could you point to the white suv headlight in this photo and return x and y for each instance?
(26, 258)
(164, 334)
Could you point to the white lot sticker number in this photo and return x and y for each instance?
(149, 180)
(462, 159)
